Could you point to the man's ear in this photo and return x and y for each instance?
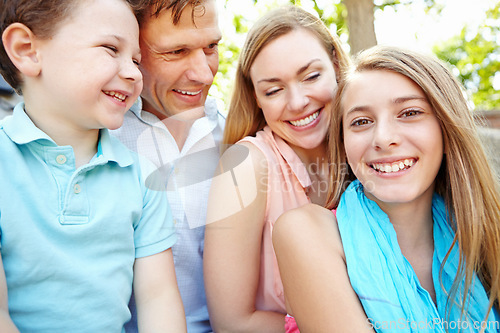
(20, 44)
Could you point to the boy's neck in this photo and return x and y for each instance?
(84, 143)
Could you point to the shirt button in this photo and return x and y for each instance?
(77, 188)
(61, 159)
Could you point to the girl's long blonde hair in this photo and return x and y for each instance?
(465, 181)
(244, 115)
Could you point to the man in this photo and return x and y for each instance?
(179, 128)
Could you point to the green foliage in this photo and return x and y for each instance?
(475, 56)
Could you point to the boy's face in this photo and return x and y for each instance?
(90, 74)
(179, 61)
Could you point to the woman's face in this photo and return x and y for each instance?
(295, 82)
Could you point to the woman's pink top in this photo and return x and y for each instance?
(287, 183)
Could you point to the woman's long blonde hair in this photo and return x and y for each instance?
(244, 115)
(465, 181)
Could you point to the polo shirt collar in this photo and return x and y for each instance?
(111, 149)
(21, 130)
(292, 159)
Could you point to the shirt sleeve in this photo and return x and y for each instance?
(155, 231)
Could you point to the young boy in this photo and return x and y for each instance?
(75, 212)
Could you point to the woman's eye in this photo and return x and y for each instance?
(272, 92)
(313, 77)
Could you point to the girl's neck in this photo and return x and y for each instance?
(413, 223)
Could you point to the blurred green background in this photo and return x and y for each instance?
(472, 51)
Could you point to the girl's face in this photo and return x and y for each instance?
(393, 140)
(294, 81)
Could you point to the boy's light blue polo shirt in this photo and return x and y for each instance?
(69, 237)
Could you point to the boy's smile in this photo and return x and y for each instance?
(96, 54)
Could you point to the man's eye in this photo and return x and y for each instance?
(177, 52)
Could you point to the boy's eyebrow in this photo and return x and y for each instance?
(299, 71)
(122, 40)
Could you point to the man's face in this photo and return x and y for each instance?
(179, 61)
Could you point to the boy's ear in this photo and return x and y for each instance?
(20, 44)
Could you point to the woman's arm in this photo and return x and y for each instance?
(314, 274)
(158, 301)
(233, 235)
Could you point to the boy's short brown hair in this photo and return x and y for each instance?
(43, 17)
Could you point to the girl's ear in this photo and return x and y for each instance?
(20, 45)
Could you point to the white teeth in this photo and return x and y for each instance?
(305, 121)
(190, 93)
(116, 95)
(394, 166)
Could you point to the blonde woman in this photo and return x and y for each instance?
(279, 115)
(415, 243)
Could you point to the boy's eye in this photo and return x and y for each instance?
(111, 47)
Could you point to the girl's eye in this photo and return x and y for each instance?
(136, 62)
(411, 113)
(361, 122)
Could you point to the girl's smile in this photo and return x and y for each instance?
(392, 138)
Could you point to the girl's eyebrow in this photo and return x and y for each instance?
(403, 99)
(398, 100)
(299, 71)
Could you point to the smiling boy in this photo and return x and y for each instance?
(77, 222)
